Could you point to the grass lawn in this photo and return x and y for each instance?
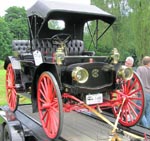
(3, 91)
(2, 85)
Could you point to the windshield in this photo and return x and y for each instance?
(56, 24)
(93, 33)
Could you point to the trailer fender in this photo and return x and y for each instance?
(10, 128)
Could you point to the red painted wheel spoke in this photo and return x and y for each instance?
(44, 106)
(119, 93)
(44, 115)
(13, 98)
(43, 90)
(136, 98)
(125, 87)
(128, 84)
(52, 123)
(121, 115)
(45, 85)
(133, 110)
(55, 122)
(134, 91)
(53, 93)
(49, 90)
(55, 103)
(55, 109)
(130, 113)
(9, 96)
(136, 106)
(46, 120)
(135, 82)
(42, 95)
(132, 106)
(42, 100)
(125, 115)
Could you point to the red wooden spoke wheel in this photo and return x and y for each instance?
(133, 107)
(11, 93)
(50, 105)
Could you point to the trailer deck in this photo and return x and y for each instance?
(77, 126)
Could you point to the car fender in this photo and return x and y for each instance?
(39, 70)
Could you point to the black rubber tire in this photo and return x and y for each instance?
(6, 134)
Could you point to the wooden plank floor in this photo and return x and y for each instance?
(78, 127)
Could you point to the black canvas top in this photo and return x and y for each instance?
(45, 8)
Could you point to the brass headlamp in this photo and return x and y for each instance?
(80, 74)
(126, 73)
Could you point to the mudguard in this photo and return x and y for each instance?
(10, 127)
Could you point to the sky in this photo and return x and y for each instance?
(28, 3)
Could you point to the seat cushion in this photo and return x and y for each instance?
(75, 47)
(21, 46)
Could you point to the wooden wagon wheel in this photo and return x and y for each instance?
(50, 105)
(132, 110)
(11, 94)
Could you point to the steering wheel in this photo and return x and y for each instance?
(61, 38)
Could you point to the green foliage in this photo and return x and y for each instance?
(2, 86)
(17, 22)
(5, 39)
(131, 32)
(140, 24)
(111, 37)
(15, 13)
(1, 64)
(12, 26)
(19, 29)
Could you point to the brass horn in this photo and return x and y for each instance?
(125, 73)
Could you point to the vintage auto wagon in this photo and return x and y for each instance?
(55, 68)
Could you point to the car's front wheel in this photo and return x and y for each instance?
(130, 101)
(50, 105)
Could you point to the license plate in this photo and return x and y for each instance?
(94, 99)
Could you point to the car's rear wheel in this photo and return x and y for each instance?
(132, 109)
(50, 105)
(11, 94)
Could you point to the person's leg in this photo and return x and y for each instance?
(147, 109)
(144, 122)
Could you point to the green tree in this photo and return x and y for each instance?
(17, 22)
(111, 38)
(131, 32)
(140, 24)
(5, 39)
